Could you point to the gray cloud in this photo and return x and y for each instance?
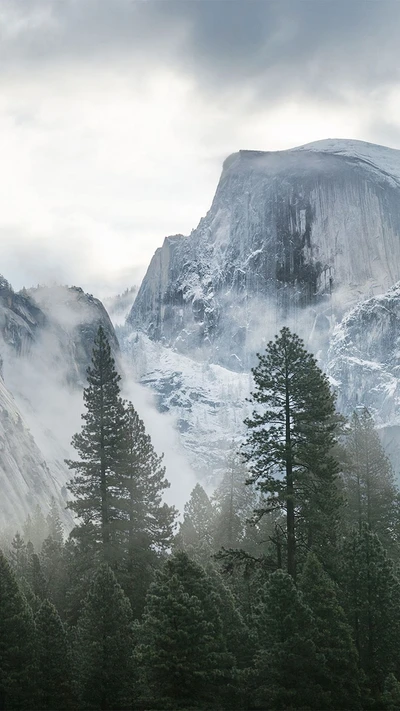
(322, 47)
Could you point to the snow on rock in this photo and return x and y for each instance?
(364, 357)
(25, 478)
(208, 401)
(46, 340)
(316, 227)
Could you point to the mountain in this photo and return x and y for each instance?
(316, 227)
(364, 363)
(298, 237)
(46, 339)
(309, 237)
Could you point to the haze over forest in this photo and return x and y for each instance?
(199, 355)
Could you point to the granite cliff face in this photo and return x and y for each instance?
(297, 237)
(46, 340)
(314, 227)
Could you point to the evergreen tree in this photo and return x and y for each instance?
(333, 636)
(54, 566)
(370, 488)
(101, 445)
(371, 597)
(182, 651)
(18, 557)
(288, 669)
(196, 532)
(35, 528)
(103, 648)
(234, 503)
(53, 662)
(289, 444)
(17, 641)
(55, 529)
(390, 699)
(146, 523)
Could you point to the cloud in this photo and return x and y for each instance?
(325, 47)
(116, 115)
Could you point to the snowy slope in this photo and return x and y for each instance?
(25, 478)
(46, 339)
(315, 227)
(297, 237)
(206, 400)
(364, 357)
(380, 159)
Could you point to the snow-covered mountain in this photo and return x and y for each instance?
(298, 237)
(315, 227)
(46, 339)
(309, 237)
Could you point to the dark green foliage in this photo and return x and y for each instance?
(146, 524)
(17, 642)
(390, 699)
(18, 557)
(234, 503)
(182, 652)
(289, 444)
(369, 482)
(55, 529)
(53, 679)
(53, 564)
(103, 648)
(333, 636)
(289, 671)
(196, 532)
(101, 445)
(35, 529)
(118, 488)
(371, 596)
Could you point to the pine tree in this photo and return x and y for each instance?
(18, 557)
(371, 599)
(35, 528)
(289, 444)
(370, 488)
(182, 651)
(333, 636)
(17, 643)
(196, 532)
(234, 503)
(390, 699)
(101, 445)
(53, 661)
(53, 565)
(55, 529)
(103, 649)
(288, 669)
(146, 523)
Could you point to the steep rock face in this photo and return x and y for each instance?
(364, 357)
(316, 227)
(208, 402)
(364, 365)
(25, 478)
(46, 340)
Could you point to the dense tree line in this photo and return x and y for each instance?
(279, 591)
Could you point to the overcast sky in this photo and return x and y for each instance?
(116, 115)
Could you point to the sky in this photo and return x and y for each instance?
(116, 115)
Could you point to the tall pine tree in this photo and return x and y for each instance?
(289, 444)
(101, 445)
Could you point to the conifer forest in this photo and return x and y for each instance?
(278, 591)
